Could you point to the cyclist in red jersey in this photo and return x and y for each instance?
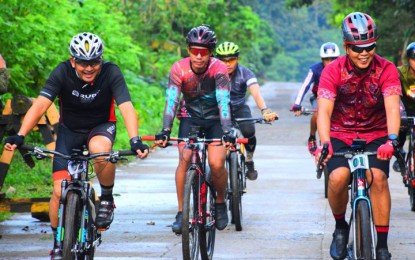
(358, 97)
(88, 88)
(329, 51)
(243, 79)
(204, 83)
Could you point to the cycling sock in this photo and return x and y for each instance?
(249, 156)
(341, 221)
(106, 192)
(55, 233)
(382, 232)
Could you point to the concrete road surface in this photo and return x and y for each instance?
(285, 213)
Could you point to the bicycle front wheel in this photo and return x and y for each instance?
(208, 229)
(72, 224)
(190, 225)
(363, 230)
(236, 185)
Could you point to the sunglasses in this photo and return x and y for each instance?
(86, 63)
(197, 51)
(361, 49)
(229, 60)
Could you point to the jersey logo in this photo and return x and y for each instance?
(85, 98)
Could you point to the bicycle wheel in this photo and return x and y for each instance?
(236, 205)
(190, 225)
(92, 230)
(208, 229)
(71, 224)
(363, 231)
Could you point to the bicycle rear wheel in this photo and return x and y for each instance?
(208, 229)
(71, 224)
(190, 225)
(363, 231)
(236, 201)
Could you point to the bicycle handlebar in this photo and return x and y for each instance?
(197, 139)
(324, 153)
(259, 120)
(41, 153)
(305, 111)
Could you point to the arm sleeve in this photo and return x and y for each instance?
(172, 96)
(223, 99)
(328, 87)
(305, 87)
(391, 84)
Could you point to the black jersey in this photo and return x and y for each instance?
(83, 105)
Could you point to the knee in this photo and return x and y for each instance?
(57, 192)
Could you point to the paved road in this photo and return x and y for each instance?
(285, 213)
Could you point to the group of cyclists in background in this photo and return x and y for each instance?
(356, 95)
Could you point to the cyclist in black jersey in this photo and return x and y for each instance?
(242, 79)
(88, 88)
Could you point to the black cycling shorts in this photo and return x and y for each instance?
(211, 128)
(68, 140)
(374, 162)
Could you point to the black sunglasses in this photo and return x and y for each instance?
(361, 49)
(86, 63)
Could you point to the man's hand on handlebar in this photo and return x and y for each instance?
(323, 153)
(138, 146)
(228, 139)
(162, 138)
(269, 115)
(12, 142)
(297, 109)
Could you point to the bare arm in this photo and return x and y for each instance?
(393, 116)
(33, 115)
(130, 118)
(325, 110)
(256, 94)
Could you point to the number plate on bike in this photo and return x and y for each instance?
(359, 161)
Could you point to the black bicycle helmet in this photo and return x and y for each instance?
(410, 50)
(358, 29)
(201, 36)
(86, 46)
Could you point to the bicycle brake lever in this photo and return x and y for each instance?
(324, 153)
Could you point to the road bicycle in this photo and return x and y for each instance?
(235, 164)
(407, 169)
(77, 234)
(362, 238)
(308, 112)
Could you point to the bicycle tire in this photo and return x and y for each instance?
(92, 230)
(208, 229)
(235, 180)
(326, 182)
(362, 225)
(190, 225)
(71, 224)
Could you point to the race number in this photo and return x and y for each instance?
(359, 161)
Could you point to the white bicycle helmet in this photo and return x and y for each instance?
(86, 46)
(329, 50)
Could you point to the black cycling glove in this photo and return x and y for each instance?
(296, 108)
(137, 144)
(229, 137)
(163, 135)
(15, 139)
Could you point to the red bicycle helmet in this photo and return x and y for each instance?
(201, 36)
(358, 29)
